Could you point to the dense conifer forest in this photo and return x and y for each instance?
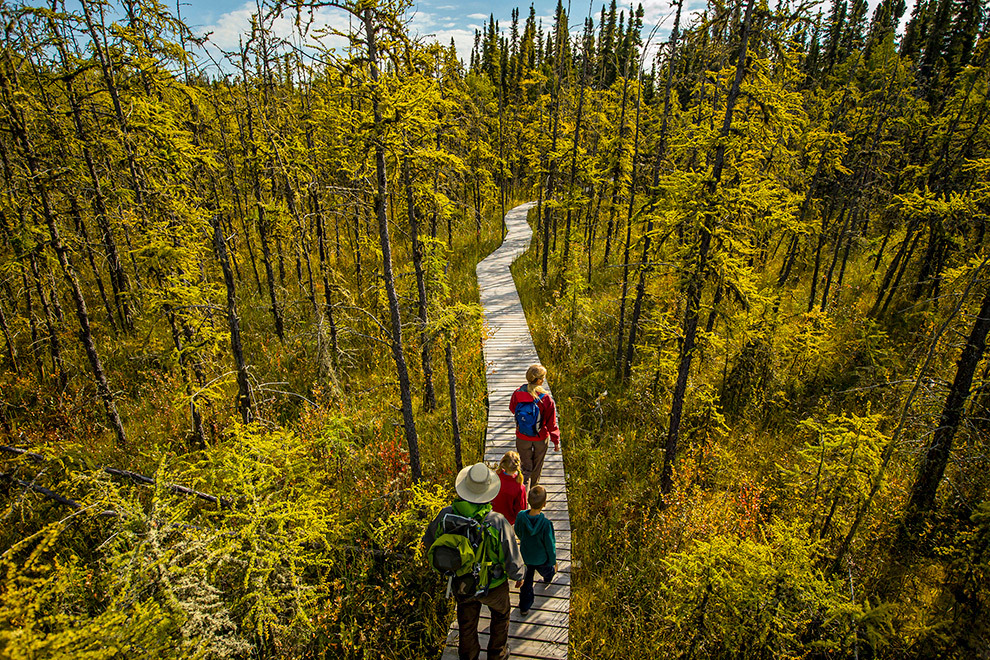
(242, 346)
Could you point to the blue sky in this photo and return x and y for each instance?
(443, 20)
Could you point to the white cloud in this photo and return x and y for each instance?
(234, 27)
(463, 42)
(421, 21)
(478, 17)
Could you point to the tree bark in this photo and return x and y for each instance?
(551, 179)
(455, 425)
(933, 465)
(574, 154)
(905, 259)
(325, 275)
(85, 333)
(54, 345)
(381, 201)
(196, 417)
(33, 322)
(426, 344)
(74, 206)
(616, 172)
(661, 155)
(251, 151)
(302, 247)
(625, 257)
(11, 351)
(244, 404)
(840, 235)
(697, 281)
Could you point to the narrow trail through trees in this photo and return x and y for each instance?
(509, 350)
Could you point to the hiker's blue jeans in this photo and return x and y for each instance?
(527, 594)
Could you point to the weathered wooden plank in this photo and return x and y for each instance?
(561, 578)
(495, 450)
(546, 603)
(527, 648)
(556, 589)
(524, 629)
(535, 616)
(524, 651)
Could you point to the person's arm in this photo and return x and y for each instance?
(515, 568)
(513, 400)
(550, 428)
(552, 544)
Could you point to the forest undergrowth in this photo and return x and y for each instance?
(786, 432)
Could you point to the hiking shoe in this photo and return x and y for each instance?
(523, 612)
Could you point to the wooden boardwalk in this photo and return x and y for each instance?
(543, 633)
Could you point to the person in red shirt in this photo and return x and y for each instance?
(533, 440)
(511, 498)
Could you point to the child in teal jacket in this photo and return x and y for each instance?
(539, 548)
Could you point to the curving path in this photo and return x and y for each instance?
(509, 350)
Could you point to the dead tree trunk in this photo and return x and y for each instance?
(18, 125)
(244, 405)
(51, 324)
(936, 457)
(426, 344)
(381, 201)
(697, 281)
(455, 425)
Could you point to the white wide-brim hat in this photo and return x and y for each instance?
(477, 483)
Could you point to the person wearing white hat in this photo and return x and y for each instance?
(476, 486)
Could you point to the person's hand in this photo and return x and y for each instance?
(519, 584)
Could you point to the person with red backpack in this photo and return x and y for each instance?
(536, 423)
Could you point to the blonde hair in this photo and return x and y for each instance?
(510, 463)
(537, 497)
(533, 374)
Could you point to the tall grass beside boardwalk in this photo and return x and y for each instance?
(784, 429)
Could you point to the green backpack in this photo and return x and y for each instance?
(468, 551)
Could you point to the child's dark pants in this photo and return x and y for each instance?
(526, 594)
